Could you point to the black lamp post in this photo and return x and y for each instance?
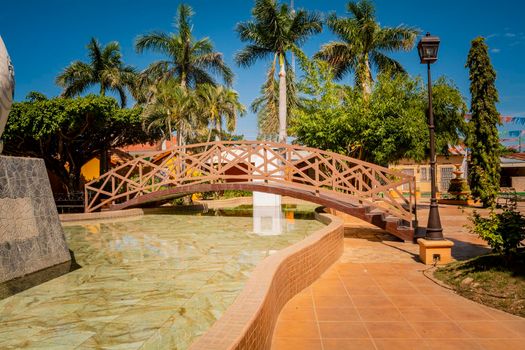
(428, 48)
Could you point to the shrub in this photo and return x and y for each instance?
(503, 231)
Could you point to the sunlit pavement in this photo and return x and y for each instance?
(376, 297)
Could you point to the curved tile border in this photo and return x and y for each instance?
(101, 215)
(125, 213)
(249, 322)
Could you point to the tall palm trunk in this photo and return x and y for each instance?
(179, 131)
(282, 100)
(218, 128)
(179, 136)
(365, 76)
(104, 156)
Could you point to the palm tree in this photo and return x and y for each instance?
(218, 103)
(172, 107)
(267, 104)
(105, 68)
(190, 61)
(364, 44)
(273, 31)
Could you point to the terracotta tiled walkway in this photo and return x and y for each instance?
(376, 297)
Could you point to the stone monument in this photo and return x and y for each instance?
(7, 88)
(31, 236)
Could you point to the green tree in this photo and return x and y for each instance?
(364, 44)
(273, 31)
(67, 133)
(173, 107)
(483, 139)
(189, 61)
(105, 68)
(389, 127)
(219, 103)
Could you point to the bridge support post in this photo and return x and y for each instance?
(267, 218)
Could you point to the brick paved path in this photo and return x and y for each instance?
(376, 297)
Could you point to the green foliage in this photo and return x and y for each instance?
(67, 133)
(227, 194)
(219, 104)
(173, 107)
(189, 60)
(273, 31)
(383, 128)
(503, 231)
(364, 44)
(483, 138)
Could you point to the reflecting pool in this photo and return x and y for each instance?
(157, 281)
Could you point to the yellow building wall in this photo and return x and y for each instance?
(91, 169)
(423, 182)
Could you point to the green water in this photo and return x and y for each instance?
(158, 281)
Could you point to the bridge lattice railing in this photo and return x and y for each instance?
(309, 169)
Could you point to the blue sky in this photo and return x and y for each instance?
(45, 36)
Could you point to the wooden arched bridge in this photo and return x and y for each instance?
(379, 195)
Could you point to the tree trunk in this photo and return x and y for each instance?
(282, 100)
(74, 180)
(183, 80)
(366, 79)
(218, 128)
(104, 161)
(179, 137)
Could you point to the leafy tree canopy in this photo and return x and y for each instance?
(67, 133)
(390, 125)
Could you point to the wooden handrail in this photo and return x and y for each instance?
(341, 177)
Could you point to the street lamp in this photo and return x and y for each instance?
(428, 48)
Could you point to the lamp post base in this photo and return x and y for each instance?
(435, 252)
(434, 231)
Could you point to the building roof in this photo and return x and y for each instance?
(148, 148)
(515, 156)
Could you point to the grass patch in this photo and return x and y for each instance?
(489, 280)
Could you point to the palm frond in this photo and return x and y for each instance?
(395, 39)
(342, 57)
(304, 25)
(385, 64)
(251, 53)
(183, 21)
(362, 10)
(214, 63)
(94, 52)
(155, 41)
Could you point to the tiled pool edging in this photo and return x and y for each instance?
(249, 322)
(126, 213)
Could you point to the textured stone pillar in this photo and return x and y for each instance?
(31, 236)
